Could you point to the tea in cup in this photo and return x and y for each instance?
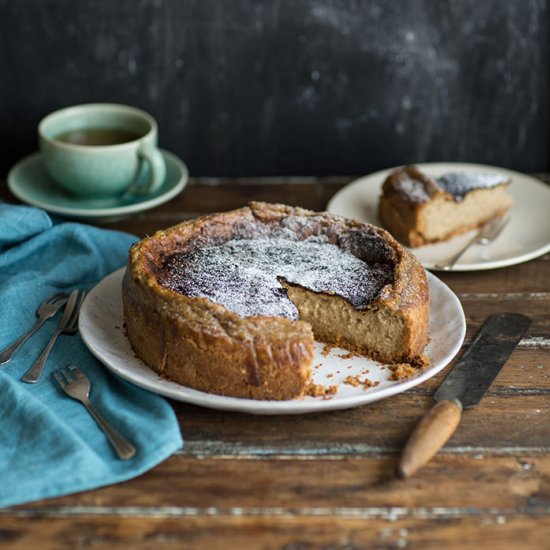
(100, 150)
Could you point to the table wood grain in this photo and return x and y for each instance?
(326, 480)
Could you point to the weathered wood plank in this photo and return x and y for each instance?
(537, 306)
(185, 485)
(526, 373)
(533, 276)
(383, 529)
(499, 425)
(227, 195)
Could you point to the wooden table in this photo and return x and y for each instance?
(326, 480)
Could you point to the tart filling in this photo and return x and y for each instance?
(246, 276)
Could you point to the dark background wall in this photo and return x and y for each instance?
(303, 87)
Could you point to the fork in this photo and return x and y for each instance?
(77, 385)
(485, 235)
(46, 310)
(68, 324)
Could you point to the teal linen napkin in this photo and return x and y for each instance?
(49, 444)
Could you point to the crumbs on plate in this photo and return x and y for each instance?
(318, 390)
(327, 348)
(349, 355)
(402, 371)
(356, 381)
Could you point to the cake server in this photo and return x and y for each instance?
(463, 388)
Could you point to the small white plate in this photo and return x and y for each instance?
(526, 236)
(30, 183)
(101, 328)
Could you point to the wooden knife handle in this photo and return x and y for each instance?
(429, 436)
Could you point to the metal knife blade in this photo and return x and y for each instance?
(479, 365)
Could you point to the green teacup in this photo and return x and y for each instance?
(100, 149)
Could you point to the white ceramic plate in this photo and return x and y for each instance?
(101, 329)
(526, 236)
(30, 183)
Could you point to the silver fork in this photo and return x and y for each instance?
(46, 310)
(485, 235)
(77, 385)
(68, 324)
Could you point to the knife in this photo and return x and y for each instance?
(463, 388)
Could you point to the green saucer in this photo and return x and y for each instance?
(30, 183)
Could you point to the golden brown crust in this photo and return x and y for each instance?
(401, 211)
(401, 219)
(203, 345)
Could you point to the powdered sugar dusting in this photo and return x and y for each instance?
(244, 275)
(458, 184)
(415, 190)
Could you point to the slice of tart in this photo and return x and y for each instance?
(417, 209)
(230, 303)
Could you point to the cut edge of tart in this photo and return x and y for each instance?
(204, 345)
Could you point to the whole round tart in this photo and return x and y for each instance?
(230, 303)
